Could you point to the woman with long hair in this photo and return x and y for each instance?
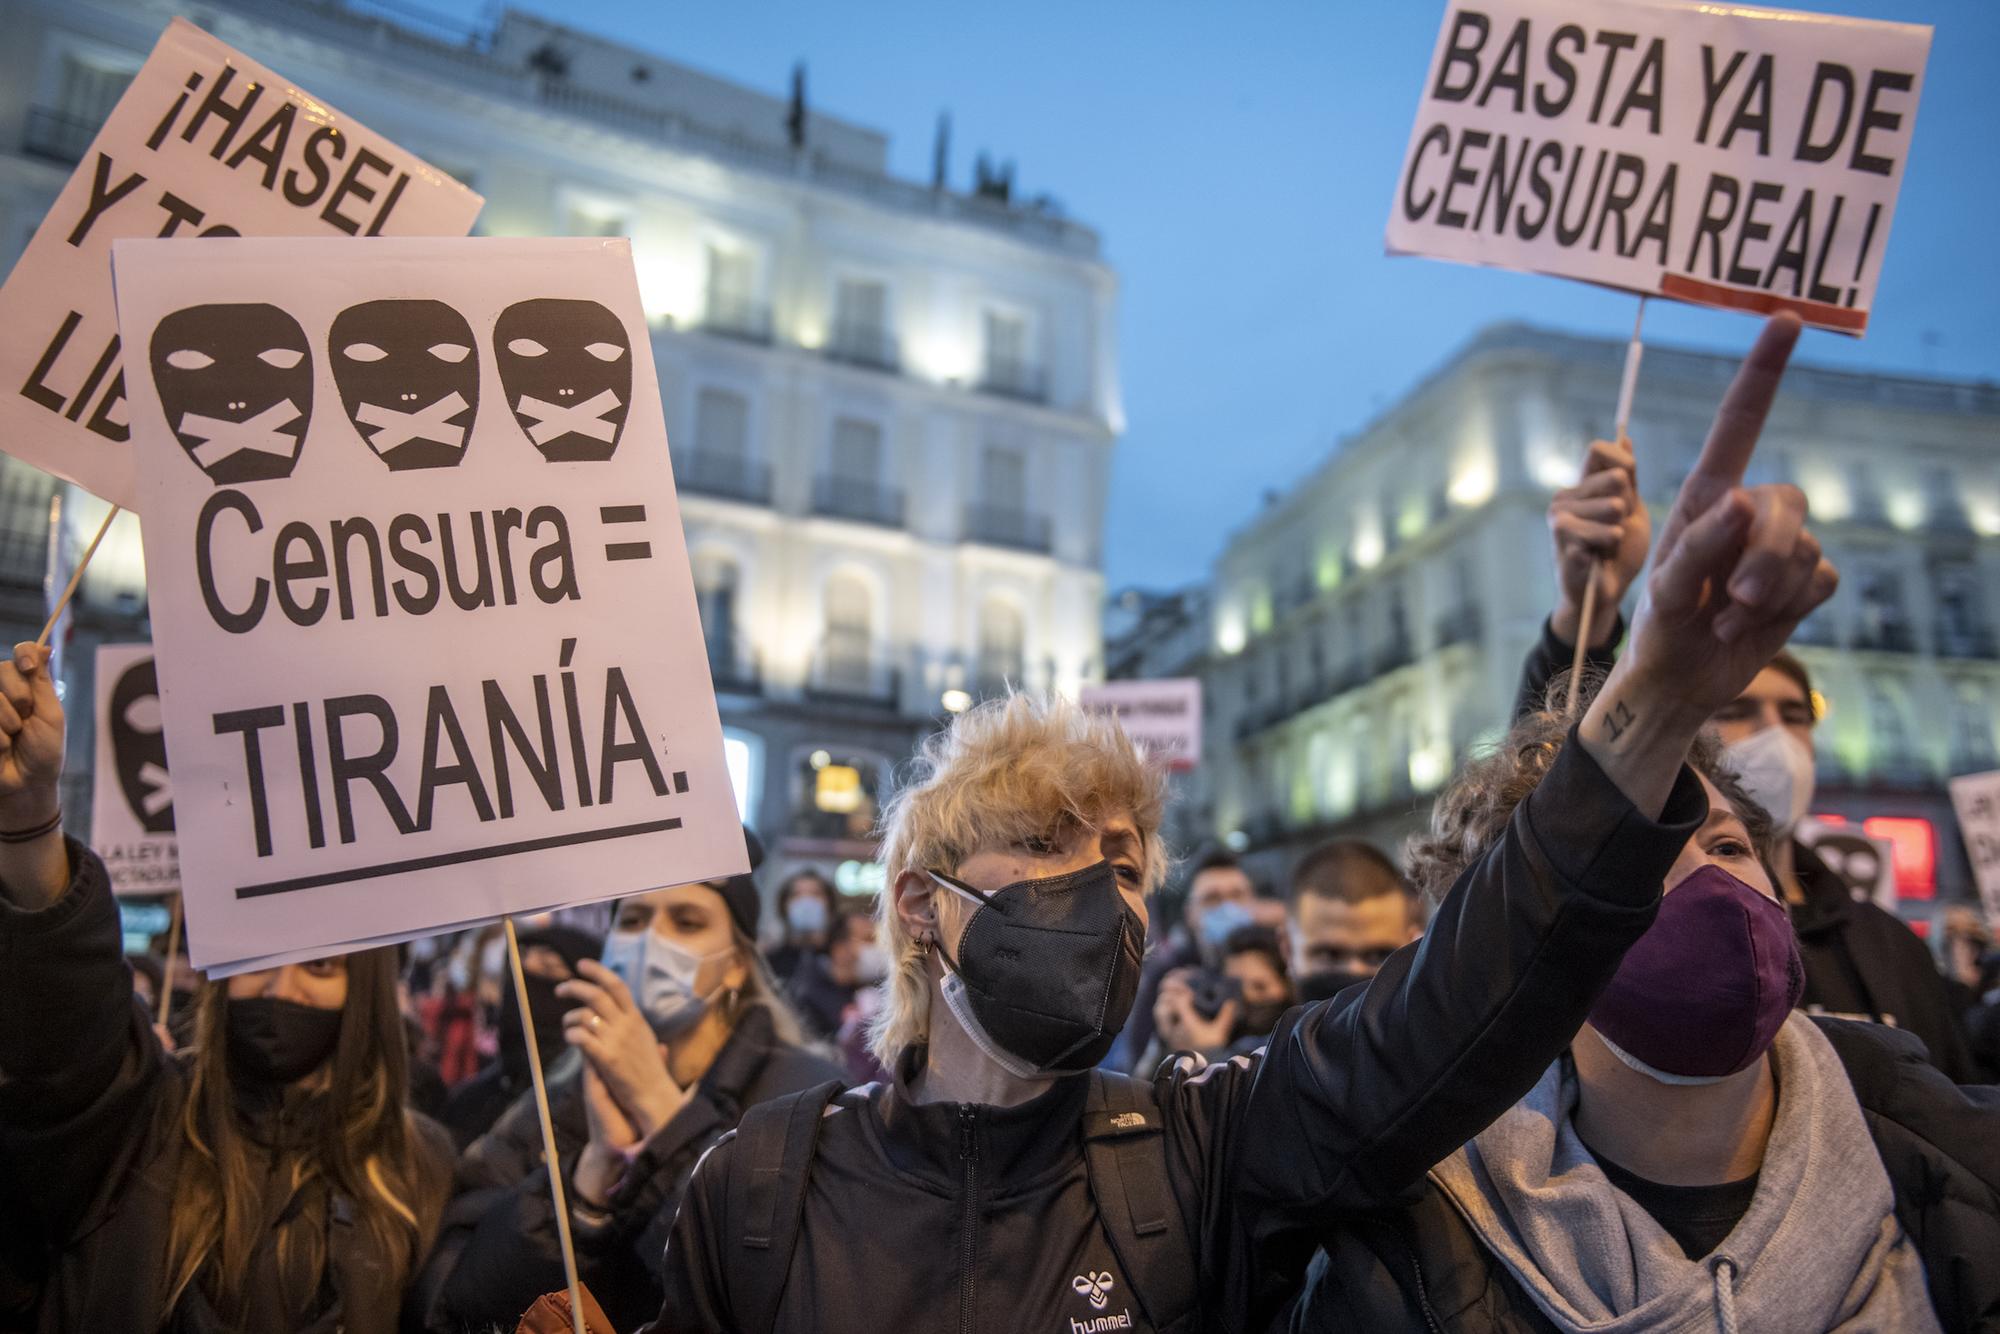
(675, 1034)
(270, 1178)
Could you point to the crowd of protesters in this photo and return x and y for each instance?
(1605, 1049)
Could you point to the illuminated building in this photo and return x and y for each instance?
(1368, 627)
(892, 403)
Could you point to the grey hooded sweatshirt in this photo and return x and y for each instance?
(1818, 1249)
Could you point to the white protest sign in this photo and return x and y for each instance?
(205, 142)
(427, 638)
(1976, 799)
(1728, 155)
(1866, 864)
(1164, 717)
(132, 796)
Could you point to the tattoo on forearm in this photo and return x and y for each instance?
(1618, 720)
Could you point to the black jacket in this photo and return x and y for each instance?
(1422, 1267)
(1861, 961)
(499, 1250)
(974, 1218)
(91, 1138)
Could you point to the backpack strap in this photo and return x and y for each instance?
(768, 1170)
(1125, 1154)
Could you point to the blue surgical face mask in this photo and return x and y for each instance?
(1216, 923)
(662, 978)
(806, 914)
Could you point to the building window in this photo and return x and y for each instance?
(721, 423)
(1961, 612)
(846, 665)
(857, 450)
(730, 304)
(1890, 741)
(1002, 648)
(1972, 748)
(861, 331)
(86, 90)
(1010, 368)
(717, 585)
(720, 463)
(1885, 625)
(852, 485)
(583, 215)
(836, 792)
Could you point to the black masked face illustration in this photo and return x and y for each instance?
(1851, 857)
(567, 370)
(139, 747)
(408, 379)
(236, 382)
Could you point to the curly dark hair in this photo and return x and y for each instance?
(1472, 812)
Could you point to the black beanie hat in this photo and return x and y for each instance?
(740, 891)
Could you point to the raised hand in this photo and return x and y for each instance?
(1734, 573)
(31, 738)
(1736, 570)
(1599, 524)
(612, 1033)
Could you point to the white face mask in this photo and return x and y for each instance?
(662, 977)
(1776, 769)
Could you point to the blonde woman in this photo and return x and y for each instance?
(999, 1184)
(269, 1180)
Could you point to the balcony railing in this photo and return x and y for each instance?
(1392, 653)
(859, 499)
(1966, 642)
(1460, 625)
(24, 525)
(1886, 637)
(730, 476)
(1817, 631)
(1015, 379)
(56, 136)
(1007, 528)
(846, 668)
(732, 664)
(996, 672)
(734, 315)
(864, 345)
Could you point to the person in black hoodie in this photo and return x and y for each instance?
(1861, 961)
(676, 1033)
(1704, 1153)
(269, 1180)
(1013, 1187)
(549, 957)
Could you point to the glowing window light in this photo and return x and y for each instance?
(1368, 545)
(1472, 485)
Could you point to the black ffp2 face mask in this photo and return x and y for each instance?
(279, 1041)
(1045, 971)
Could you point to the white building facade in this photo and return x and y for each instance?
(892, 406)
(1369, 626)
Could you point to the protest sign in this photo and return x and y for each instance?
(1976, 799)
(205, 142)
(427, 638)
(1729, 155)
(1164, 717)
(132, 795)
(1865, 864)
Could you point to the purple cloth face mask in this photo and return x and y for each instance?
(1705, 990)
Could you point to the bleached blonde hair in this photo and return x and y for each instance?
(1027, 766)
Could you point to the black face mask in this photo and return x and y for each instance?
(1046, 970)
(546, 1008)
(1326, 983)
(1258, 1019)
(279, 1041)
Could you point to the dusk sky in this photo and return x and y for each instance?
(1239, 162)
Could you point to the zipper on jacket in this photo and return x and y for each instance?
(968, 1154)
(1423, 1293)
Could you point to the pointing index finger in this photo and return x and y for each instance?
(1738, 422)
